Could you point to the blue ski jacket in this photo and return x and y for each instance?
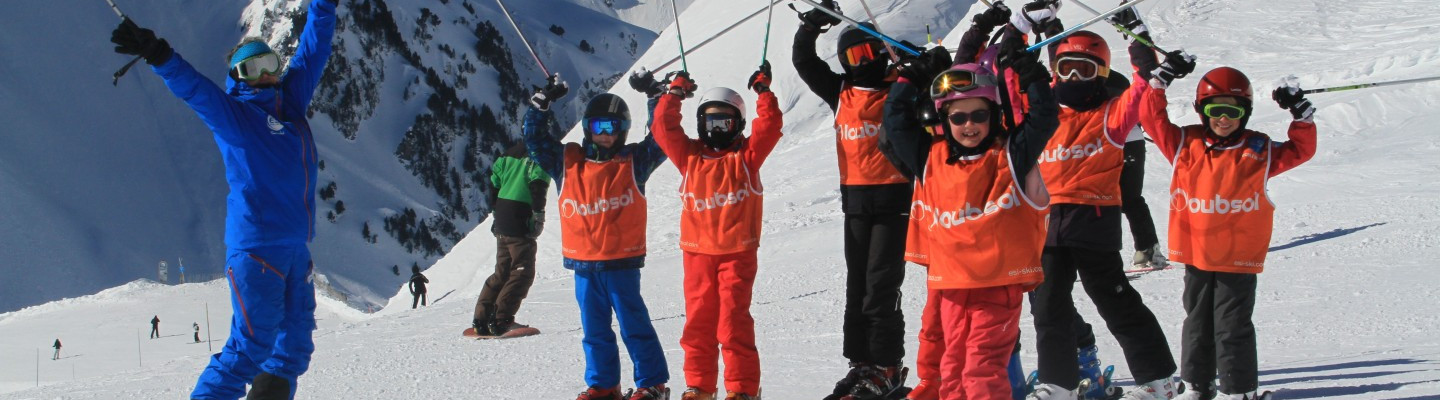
(266, 143)
(549, 153)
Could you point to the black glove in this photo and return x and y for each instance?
(1177, 65)
(760, 80)
(681, 85)
(644, 82)
(919, 70)
(537, 224)
(554, 89)
(1290, 98)
(820, 20)
(136, 41)
(1130, 20)
(1028, 68)
(998, 14)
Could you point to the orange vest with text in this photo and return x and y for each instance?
(1080, 163)
(1221, 217)
(917, 245)
(857, 138)
(983, 230)
(722, 201)
(602, 211)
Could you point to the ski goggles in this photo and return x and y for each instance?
(254, 67)
(950, 82)
(863, 53)
(977, 116)
(1081, 68)
(721, 122)
(1224, 111)
(608, 126)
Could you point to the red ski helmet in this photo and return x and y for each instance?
(1087, 43)
(1223, 81)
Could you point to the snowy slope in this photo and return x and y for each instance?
(1346, 309)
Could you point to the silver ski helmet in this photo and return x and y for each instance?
(718, 131)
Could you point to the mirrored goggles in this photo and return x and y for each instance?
(958, 81)
(1079, 68)
(1224, 110)
(608, 126)
(863, 53)
(720, 122)
(254, 67)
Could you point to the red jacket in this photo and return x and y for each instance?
(1166, 134)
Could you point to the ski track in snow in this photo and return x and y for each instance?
(1345, 309)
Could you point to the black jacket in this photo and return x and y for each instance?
(417, 283)
(826, 83)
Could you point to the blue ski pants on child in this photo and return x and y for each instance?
(272, 296)
(599, 292)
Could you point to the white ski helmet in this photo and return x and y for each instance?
(720, 96)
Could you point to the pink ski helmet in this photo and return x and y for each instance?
(964, 81)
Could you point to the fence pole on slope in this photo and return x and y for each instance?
(888, 48)
(208, 343)
(524, 40)
(1368, 85)
(1082, 25)
(139, 355)
(116, 77)
(37, 367)
(1124, 30)
(679, 37)
(856, 24)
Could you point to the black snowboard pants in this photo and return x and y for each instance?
(1125, 314)
(510, 283)
(1219, 333)
(1132, 180)
(418, 300)
(875, 269)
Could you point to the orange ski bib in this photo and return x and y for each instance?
(917, 245)
(983, 230)
(602, 211)
(1080, 163)
(722, 205)
(857, 138)
(1221, 217)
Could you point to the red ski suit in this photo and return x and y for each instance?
(722, 200)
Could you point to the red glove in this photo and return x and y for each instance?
(681, 85)
(760, 80)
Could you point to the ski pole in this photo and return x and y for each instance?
(680, 37)
(712, 38)
(856, 24)
(115, 78)
(1082, 25)
(888, 48)
(770, 16)
(1122, 28)
(522, 37)
(1368, 85)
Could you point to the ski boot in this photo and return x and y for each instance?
(1019, 387)
(924, 390)
(1046, 391)
(595, 393)
(657, 392)
(1099, 389)
(696, 394)
(879, 383)
(269, 387)
(741, 396)
(1196, 392)
(1244, 396)
(843, 387)
(1159, 389)
(1153, 258)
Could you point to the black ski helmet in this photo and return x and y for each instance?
(607, 105)
(869, 73)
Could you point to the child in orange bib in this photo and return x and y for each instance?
(1221, 216)
(721, 198)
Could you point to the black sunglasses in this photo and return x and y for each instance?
(978, 116)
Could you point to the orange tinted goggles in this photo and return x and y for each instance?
(863, 53)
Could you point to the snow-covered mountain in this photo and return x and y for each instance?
(101, 183)
(1346, 307)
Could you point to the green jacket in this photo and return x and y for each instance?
(520, 186)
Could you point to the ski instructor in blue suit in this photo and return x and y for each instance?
(270, 164)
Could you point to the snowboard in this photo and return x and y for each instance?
(1144, 270)
(513, 333)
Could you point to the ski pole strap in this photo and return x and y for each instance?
(1368, 85)
(1082, 25)
(888, 40)
(1122, 28)
(522, 38)
(123, 70)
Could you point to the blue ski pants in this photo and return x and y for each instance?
(272, 296)
(600, 292)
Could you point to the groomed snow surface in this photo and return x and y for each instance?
(1346, 308)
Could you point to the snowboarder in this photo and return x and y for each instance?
(1082, 170)
(196, 325)
(874, 196)
(1222, 243)
(258, 121)
(57, 350)
(719, 227)
(417, 286)
(953, 138)
(155, 327)
(604, 246)
(519, 215)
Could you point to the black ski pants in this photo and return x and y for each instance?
(1219, 333)
(1132, 180)
(510, 283)
(418, 300)
(875, 269)
(1134, 326)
